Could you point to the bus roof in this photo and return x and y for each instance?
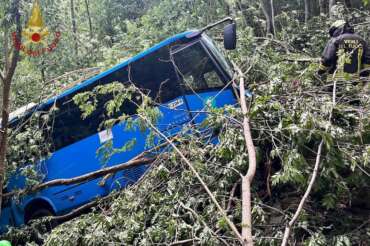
(116, 68)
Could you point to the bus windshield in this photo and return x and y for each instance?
(219, 56)
(197, 69)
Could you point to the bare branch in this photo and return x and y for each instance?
(75, 212)
(314, 174)
(137, 161)
(304, 198)
(232, 194)
(185, 242)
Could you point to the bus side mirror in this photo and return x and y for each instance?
(230, 36)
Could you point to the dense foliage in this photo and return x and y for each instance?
(291, 112)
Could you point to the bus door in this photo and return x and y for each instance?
(204, 83)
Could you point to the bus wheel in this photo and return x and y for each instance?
(40, 213)
(36, 210)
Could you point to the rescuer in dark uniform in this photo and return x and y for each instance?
(346, 56)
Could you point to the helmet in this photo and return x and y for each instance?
(339, 27)
(337, 24)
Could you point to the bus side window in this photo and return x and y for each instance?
(196, 69)
(69, 126)
(154, 74)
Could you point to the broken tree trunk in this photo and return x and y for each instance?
(252, 161)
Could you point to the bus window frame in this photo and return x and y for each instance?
(225, 78)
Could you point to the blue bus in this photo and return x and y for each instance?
(181, 74)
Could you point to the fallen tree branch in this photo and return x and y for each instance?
(314, 174)
(137, 161)
(304, 198)
(231, 197)
(268, 176)
(75, 212)
(79, 210)
(210, 194)
(252, 161)
(307, 59)
(186, 242)
(97, 69)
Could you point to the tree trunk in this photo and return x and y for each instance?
(272, 17)
(268, 11)
(6, 84)
(306, 11)
(74, 26)
(6, 49)
(247, 179)
(322, 6)
(247, 212)
(89, 18)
